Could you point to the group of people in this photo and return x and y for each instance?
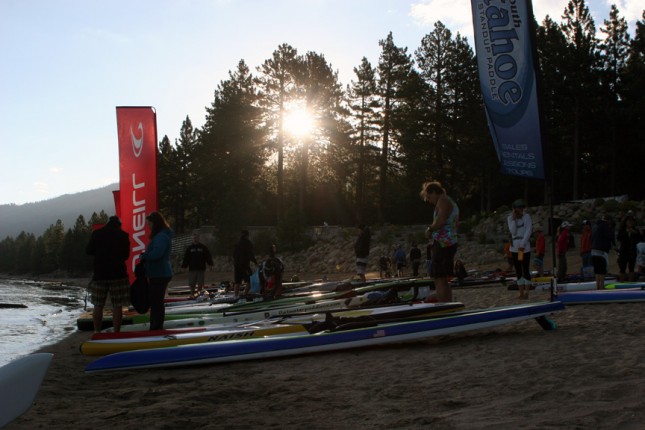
(596, 241)
(109, 245)
(399, 261)
(441, 249)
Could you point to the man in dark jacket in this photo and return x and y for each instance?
(196, 257)
(242, 257)
(110, 247)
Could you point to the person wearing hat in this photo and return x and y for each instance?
(585, 246)
(627, 237)
(562, 246)
(540, 249)
(110, 247)
(521, 227)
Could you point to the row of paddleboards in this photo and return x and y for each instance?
(108, 343)
(359, 334)
(266, 307)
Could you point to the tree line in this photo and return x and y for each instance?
(412, 116)
(56, 250)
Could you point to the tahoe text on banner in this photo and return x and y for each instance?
(507, 74)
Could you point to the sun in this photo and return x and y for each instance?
(298, 122)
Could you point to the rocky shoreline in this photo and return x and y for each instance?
(480, 248)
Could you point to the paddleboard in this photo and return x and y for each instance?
(84, 322)
(589, 285)
(111, 346)
(602, 296)
(20, 381)
(375, 334)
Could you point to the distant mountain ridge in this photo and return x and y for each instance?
(37, 217)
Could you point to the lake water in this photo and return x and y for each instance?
(50, 315)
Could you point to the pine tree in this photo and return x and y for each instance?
(364, 108)
(613, 56)
(580, 32)
(394, 69)
(278, 85)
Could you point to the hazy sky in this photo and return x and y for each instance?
(66, 64)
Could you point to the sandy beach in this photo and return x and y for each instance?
(587, 374)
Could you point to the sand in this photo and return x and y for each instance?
(587, 374)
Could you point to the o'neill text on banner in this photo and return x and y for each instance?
(503, 43)
(137, 129)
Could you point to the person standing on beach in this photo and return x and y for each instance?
(443, 231)
(562, 246)
(362, 251)
(110, 247)
(196, 257)
(271, 272)
(242, 256)
(520, 225)
(400, 260)
(602, 240)
(156, 260)
(627, 237)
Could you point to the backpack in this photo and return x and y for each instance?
(139, 290)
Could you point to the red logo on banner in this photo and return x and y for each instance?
(137, 129)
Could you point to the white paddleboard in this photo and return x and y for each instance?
(19, 384)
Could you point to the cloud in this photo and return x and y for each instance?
(632, 10)
(454, 14)
(41, 187)
(457, 16)
(56, 170)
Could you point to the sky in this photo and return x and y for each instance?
(66, 64)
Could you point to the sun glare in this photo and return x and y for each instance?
(298, 122)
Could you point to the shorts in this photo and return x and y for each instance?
(599, 264)
(361, 266)
(443, 260)
(119, 290)
(196, 278)
(242, 274)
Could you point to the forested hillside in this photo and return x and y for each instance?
(288, 144)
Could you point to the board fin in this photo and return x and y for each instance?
(546, 323)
